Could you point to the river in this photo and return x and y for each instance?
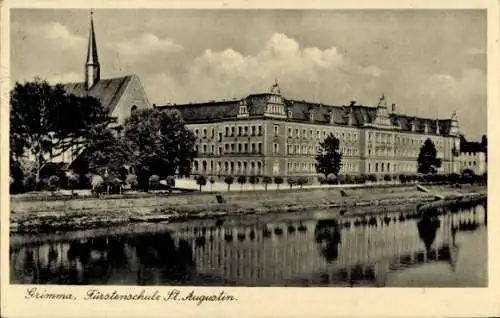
(301, 249)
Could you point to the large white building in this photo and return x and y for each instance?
(268, 134)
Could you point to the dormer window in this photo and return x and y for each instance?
(290, 114)
(311, 115)
(243, 110)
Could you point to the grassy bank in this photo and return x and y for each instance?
(75, 214)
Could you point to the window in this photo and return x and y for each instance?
(253, 130)
(376, 167)
(232, 147)
(196, 132)
(290, 114)
(245, 130)
(204, 148)
(276, 130)
(133, 109)
(239, 147)
(232, 131)
(260, 130)
(311, 133)
(204, 133)
(212, 133)
(220, 136)
(318, 134)
(304, 133)
(220, 150)
(240, 129)
(213, 149)
(253, 148)
(246, 148)
(226, 147)
(297, 132)
(290, 133)
(275, 148)
(259, 146)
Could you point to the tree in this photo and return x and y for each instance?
(266, 180)
(242, 180)
(157, 142)
(171, 183)
(154, 182)
(201, 181)
(53, 183)
(212, 181)
(253, 180)
(278, 180)
(301, 181)
(484, 145)
(45, 121)
(73, 181)
(427, 161)
(229, 180)
(328, 159)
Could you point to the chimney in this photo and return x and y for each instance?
(353, 103)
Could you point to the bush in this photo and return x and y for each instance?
(348, 179)
(321, 179)
(387, 177)
(96, 181)
(278, 180)
(132, 180)
(360, 179)
(229, 180)
(301, 181)
(402, 178)
(170, 180)
(154, 182)
(266, 180)
(341, 179)
(372, 178)
(29, 182)
(291, 181)
(53, 183)
(331, 178)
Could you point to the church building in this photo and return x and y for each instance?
(119, 95)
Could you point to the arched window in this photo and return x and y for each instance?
(259, 167)
(133, 109)
(204, 164)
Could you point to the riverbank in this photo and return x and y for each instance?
(33, 216)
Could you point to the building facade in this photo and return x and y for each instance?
(269, 135)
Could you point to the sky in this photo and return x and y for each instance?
(429, 63)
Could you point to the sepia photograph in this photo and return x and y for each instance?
(248, 147)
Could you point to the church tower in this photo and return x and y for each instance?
(92, 67)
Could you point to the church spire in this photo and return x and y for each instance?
(92, 67)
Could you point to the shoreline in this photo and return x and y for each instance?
(31, 217)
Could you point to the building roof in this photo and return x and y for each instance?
(352, 114)
(107, 91)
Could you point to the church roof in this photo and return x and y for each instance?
(107, 91)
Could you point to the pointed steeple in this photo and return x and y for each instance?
(92, 67)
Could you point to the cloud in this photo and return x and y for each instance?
(65, 78)
(57, 34)
(303, 72)
(144, 46)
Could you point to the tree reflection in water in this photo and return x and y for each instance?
(158, 254)
(427, 228)
(327, 235)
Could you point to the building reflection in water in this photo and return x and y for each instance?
(347, 251)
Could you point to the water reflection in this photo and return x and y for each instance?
(345, 251)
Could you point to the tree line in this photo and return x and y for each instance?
(46, 121)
